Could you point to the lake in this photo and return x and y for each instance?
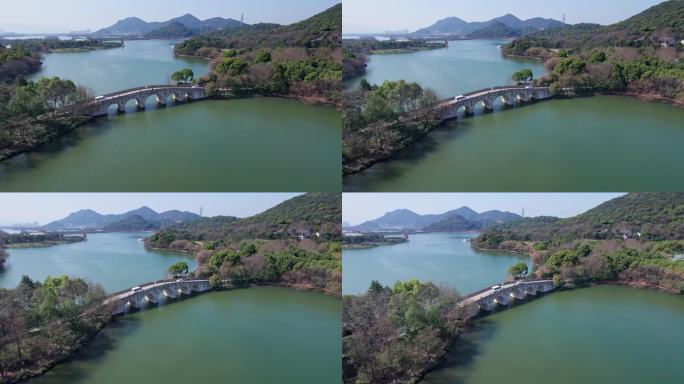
(601, 143)
(252, 336)
(442, 258)
(603, 334)
(255, 144)
(115, 260)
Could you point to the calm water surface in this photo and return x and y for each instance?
(462, 67)
(137, 63)
(115, 260)
(589, 144)
(605, 334)
(600, 143)
(251, 336)
(442, 258)
(259, 144)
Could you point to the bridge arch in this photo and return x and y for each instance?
(154, 98)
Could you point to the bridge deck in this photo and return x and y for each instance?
(486, 292)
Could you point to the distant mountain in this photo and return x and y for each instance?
(133, 223)
(182, 26)
(506, 26)
(172, 30)
(138, 219)
(459, 219)
(494, 31)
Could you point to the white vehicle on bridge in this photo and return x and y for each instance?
(459, 98)
(135, 289)
(496, 288)
(99, 98)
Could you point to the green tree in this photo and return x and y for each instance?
(232, 66)
(185, 75)
(263, 57)
(518, 270)
(365, 86)
(375, 287)
(597, 57)
(570, 66)
(523, 76)
(180, 268)
(214, 280)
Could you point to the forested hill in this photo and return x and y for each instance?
(646, 216)
(302, 60)
(321, 30)
(303, 215)
(652, 27)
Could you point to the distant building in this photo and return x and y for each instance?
(402, 39)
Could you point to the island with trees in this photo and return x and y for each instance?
(296, 243)
(636, 240)
(376, 122)
(39, 239)
(397, 334)
(642, 56)
(302, 60)
(29, 110)
(44, 323)
(370, 240)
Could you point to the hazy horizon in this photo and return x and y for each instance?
(373, 17)
(39, 17)
(360, 207)
(22, 208)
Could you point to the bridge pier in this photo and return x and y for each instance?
(518, 293)
(135, 302)
(488, 105)
(171, 293)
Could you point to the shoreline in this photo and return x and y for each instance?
(645, 98)
(86, 340)
(466, 326)
(65, 129)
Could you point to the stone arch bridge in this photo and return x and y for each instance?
(161, 93)
(510, 95)
(153, 292)
(488, 299)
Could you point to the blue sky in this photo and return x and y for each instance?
(43, 16)
(360, 207)
(383, 15)
(46, 207)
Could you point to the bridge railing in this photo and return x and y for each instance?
(151, 283)
(140, 285)
(481, 291)
(147, 87)
(500, 87)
